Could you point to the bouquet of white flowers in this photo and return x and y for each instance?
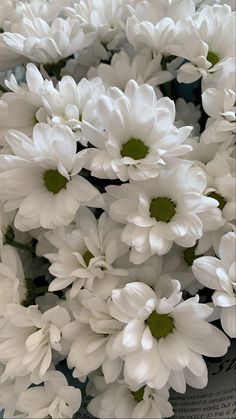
(117, 203)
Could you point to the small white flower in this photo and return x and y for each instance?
(12, 282)
(187, 114)
(137, 135)
(161, 333)
(219, 274)
(27, 339)
(142, 403)
(143, 68)
(54, 399)
(159, 211)
(87, 255)
(40, 179)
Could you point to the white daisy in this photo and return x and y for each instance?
(211, 32)
(161, 333)
(40, 179)
(142, 67)
(219, 274)
(86, 255)
(159, 211)
(137, 135)
(152, 24)
(142, 403)
(12, 282)
(54, 399)
(28, 338)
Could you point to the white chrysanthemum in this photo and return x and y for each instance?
(39, 41)
(12, 282)
(89, 335)
(159, 211)
(21, 108)
(70, 103)
(40, 179)
(137, 135)
(143, 68)
(55, 399)
(143, 403)
(219, 274)
(86, 255)
(206, 40)
(27, 339)
(161, 334)
(103, 18)
(220, 104)
(153, 23)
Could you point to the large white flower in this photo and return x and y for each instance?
(55, 399)
(219, 274)
(162, 334)
(143, 403)
(137, 135)
(159, 211)
(27, 339)
(153, 23)
(12, 282)
(206, 40)
(40, 179)
(87, 254)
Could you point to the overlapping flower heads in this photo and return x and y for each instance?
(117, 203)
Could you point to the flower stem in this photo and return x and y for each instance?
(19, 245)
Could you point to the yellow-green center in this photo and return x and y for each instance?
(134, 148)
(162, 209)
(160, 325)
(138, 395)
(213, 58)
(219, 198)
(87, 257)
(54, 181)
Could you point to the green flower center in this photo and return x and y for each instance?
(54, 181)
(160, 325)
(190, 256)
(162, 209)
(138, 395)
(87, 257)
(213, 58)
(134, 148)
(219, 198)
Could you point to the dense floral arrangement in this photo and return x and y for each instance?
(117, 203)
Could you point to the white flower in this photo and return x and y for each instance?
(87, 255)
(40, 179)
(206, 40)
(219, 274)
(142, 403)
(153, 24)
(21, 108)
(27, 339)
(55, 399)
(220, 104)
(161, 334)
(12, 282)
(70, 103)
(137, 136)
(143, 68)
(42, 42)
(187, 114)
(103, 18)
(159, 211)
